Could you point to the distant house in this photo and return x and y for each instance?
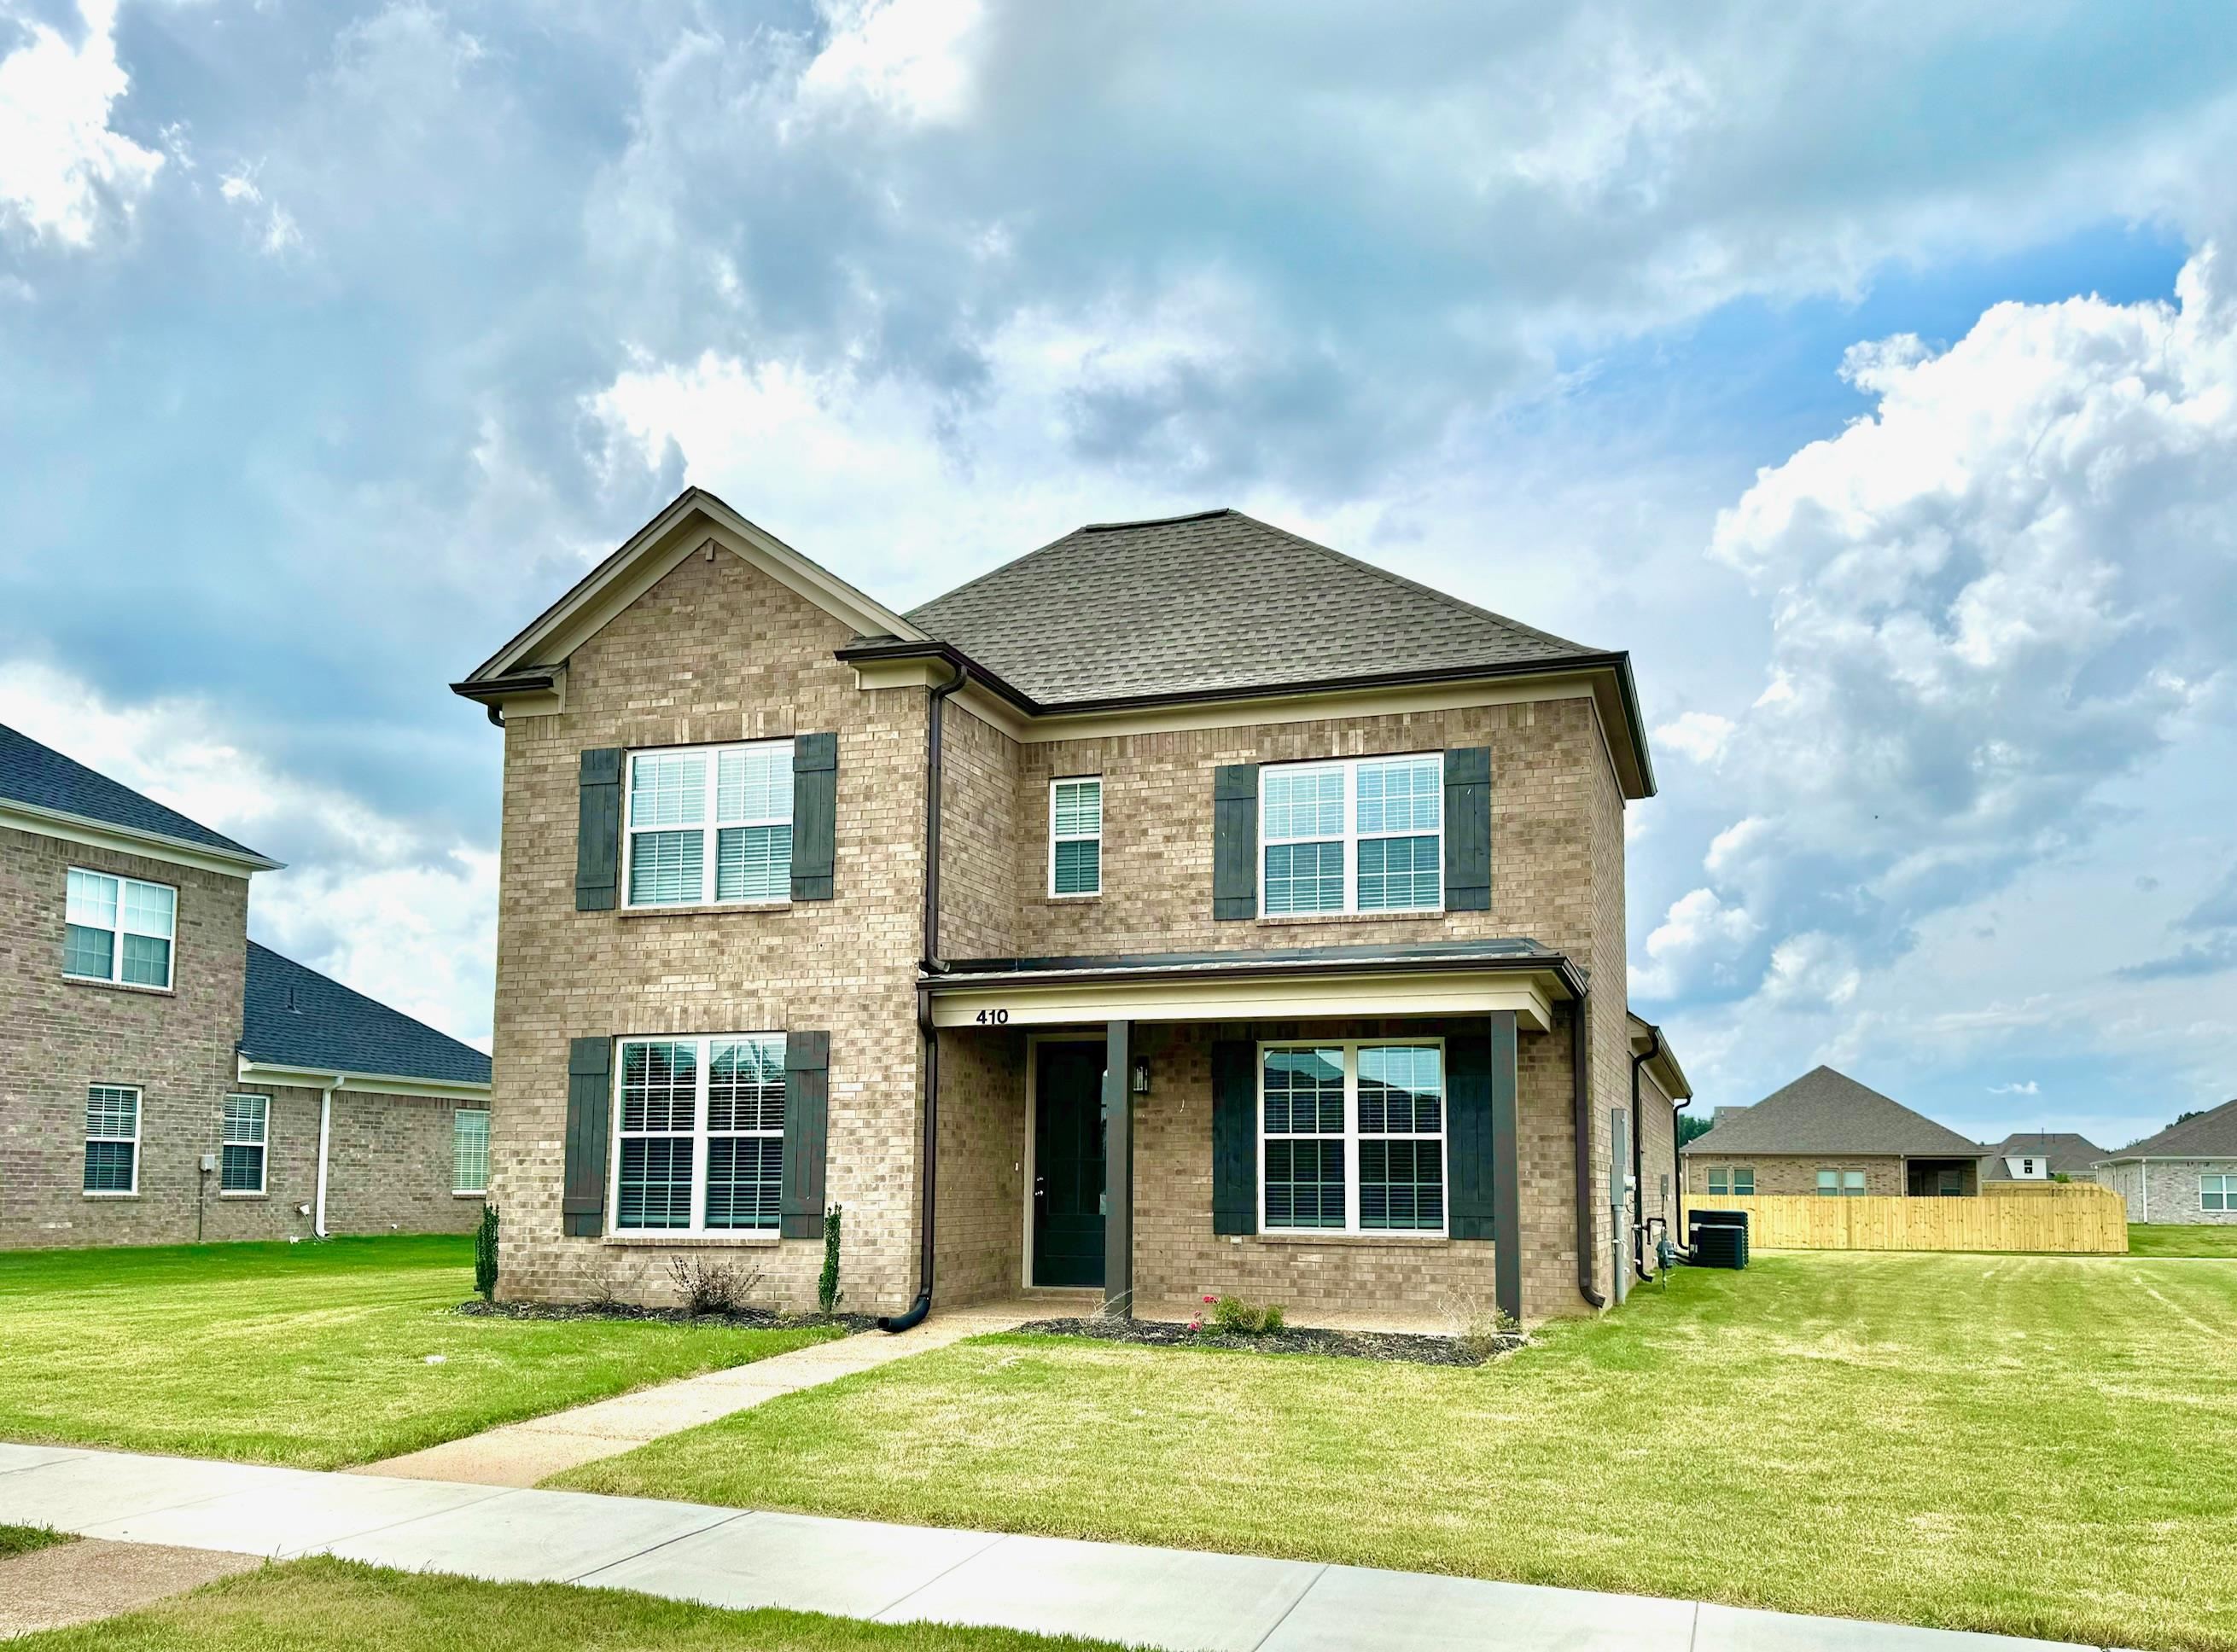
(2186, 1173)
(163, 1077)
(2044, 1155)
(1827, 1135)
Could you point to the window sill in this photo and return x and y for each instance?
(686, 1241)
(1279, 918)
(469, 1193)
(700, 908)
(1088, 899)
(1407, 1239)
(120, 986)
(108, 1196)
(252, 1198)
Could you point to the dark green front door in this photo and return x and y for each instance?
(1068, 1164)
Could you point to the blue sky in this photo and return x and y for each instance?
(1870, 373)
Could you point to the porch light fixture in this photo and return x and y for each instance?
(1142, 1075)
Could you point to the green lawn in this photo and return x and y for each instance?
(2182, 1239)
(21, 1540)
(315, 1355)
(333, 1606)
(2039, 1446)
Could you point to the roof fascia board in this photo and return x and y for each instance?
(1252, 996)
(152, 845)
(693, 519)
(248, 1071)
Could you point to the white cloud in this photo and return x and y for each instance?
(1811, 971)
(62, 169)
(277, 230)
(912, 58)
(1699, 734)
(368, 898)
(2024, 1087)
(1699, 936)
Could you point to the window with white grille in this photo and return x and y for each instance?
(1352, 1137)
(112, 1139)
(470, 1150)
(699, 1134)
(240, 1152)
(2217, 1192)
(1076, 837)
(1357, 835)
(709, 822)
(118, 928)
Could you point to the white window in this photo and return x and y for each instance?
(1836, 1184)
(1352, 1137)
(1358, 835)
(470, 1150)
(112, 1139)
(699, 1127)
(241, 1151)
(710, 823)
(1076, 837)
(118, 928)
(2217, 1192)
(1737, 1180)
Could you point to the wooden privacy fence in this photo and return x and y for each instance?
(2078, 1218)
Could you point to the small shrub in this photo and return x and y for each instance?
(486, 1254)
(712, 1287)
(1481, 1327)
(826, 1288)
(1233, 1316)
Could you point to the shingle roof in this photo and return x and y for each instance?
(2210, 1134)
(1214, 602)
(1823, 1111)
(293, 1017)
(2064, 1153)
(43, 777)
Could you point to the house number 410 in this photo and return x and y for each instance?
(993, 1017)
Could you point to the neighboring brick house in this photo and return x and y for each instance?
(2044, 1155)
(162, 1077)
(1826, 1133)
(2188, 1173)
(1272, 942)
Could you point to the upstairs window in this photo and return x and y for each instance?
(470, 1150)
(701, 1130)
(1076, 837)
(1357, 835)
(710, 823)
(241, 1158)
(118, 930)
(112, 1139)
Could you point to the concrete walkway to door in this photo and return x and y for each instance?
(1178, 1600)
(521, 1454)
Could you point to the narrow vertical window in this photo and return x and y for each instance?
(1076, 837)
(745, 1133)
(1852, 1183)
(1719, 1180)
(118, 928)
(1304, 1120)
(1829, 1184)
(112, 1139)
(241, 1149)
(1744, 1182)
(1302, 815)
(1402, 1137)
(470, 1150)
(660, 1109)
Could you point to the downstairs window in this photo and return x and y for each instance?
(1352, 1137)
(699, 1130)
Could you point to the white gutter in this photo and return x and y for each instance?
(249, 1071)
(326, 1129)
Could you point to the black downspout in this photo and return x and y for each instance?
(927, 1035)
(1639, 1162)
(1582, 1094)
(1678, 1177)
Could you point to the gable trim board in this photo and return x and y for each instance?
(151, 845)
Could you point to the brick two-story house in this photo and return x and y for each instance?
(1182, 907)
(163, 1077)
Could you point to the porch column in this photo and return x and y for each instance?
(1117, 1170)
(1505, 1169)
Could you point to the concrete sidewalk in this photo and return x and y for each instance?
(521, 1454)
(1167, 1599)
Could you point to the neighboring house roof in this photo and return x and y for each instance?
(43, 781)
(293, 1017)
(2063, 1153)
(1211, 602)
(1826, 1112)
(2211, 1135)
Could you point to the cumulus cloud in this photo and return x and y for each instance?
(1694, 943)
(2010, 583)
(1699, 734)
(366, 897)
(2024, 1087)
(63, 168)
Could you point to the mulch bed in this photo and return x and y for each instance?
(751, 1318)
(1411, 1347)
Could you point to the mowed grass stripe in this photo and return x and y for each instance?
(2033, 1446)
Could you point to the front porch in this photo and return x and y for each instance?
(1343, 1132)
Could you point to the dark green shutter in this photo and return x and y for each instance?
(1468, 1136)
(590, 1118)
(598, 832)
(1234, 1138)
(815, 819)
(1468, 830)
(1235, 842)
(807, 1132)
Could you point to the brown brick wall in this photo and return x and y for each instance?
(390, 1163)
(715, 651)
(979, 1238)
(59, 1036)
(1782, 1176)
(1657, 1124)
